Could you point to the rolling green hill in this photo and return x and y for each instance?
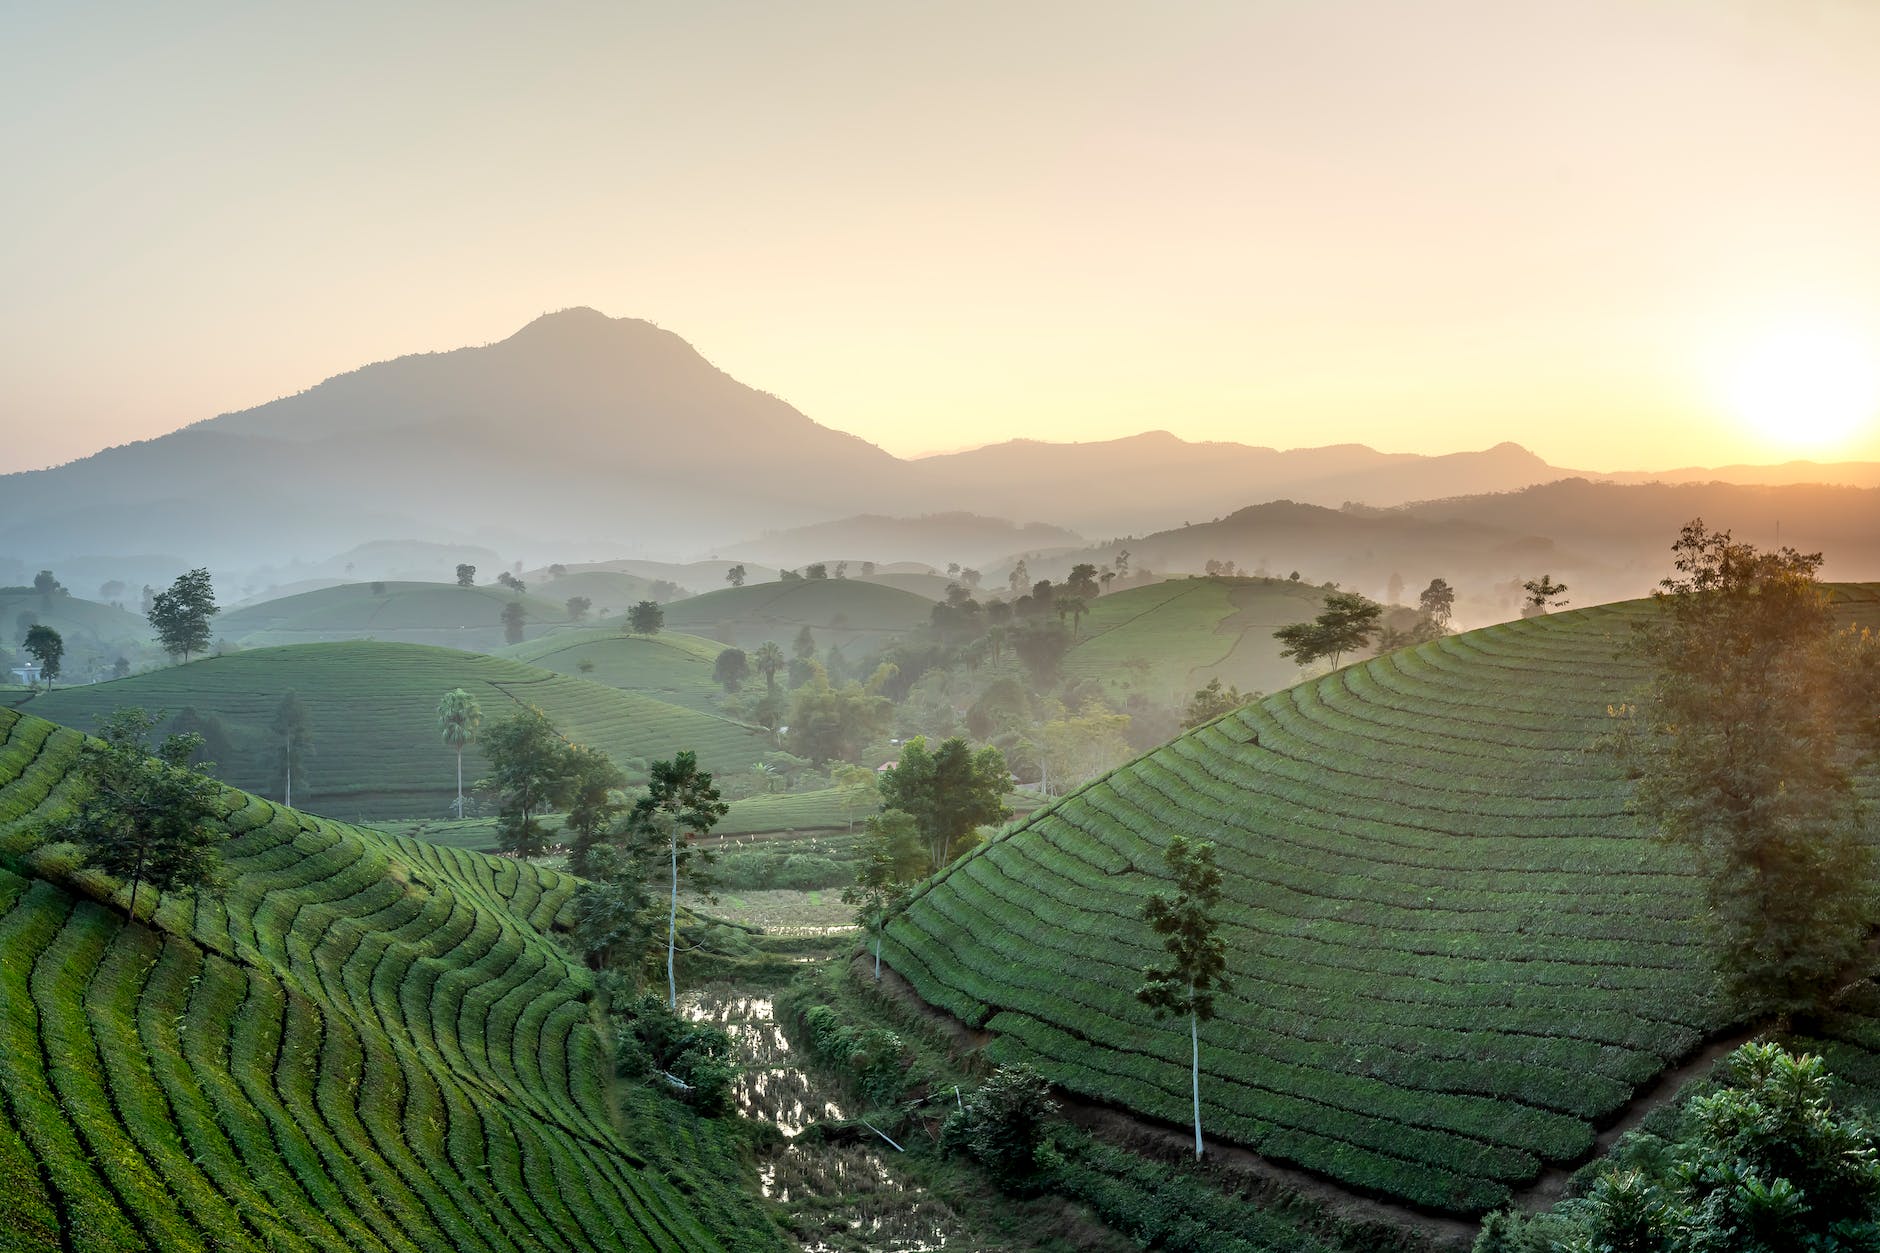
(368, 1043)
(95, 634)
(855, 615)
(373, 708)
(413, 613)
(612, 592)
(673, 667)
(1167, 639)
(1455, 953)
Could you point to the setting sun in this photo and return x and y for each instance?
(1808, 385)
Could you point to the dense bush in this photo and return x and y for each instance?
(1003, 1125)
(650, 1041)
(874, 1058)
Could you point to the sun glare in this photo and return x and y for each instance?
(1806, 386)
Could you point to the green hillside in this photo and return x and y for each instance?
(673, 667)
(857, 616)
(368, 1044)
(1188, 631)
(1454, 951)
(95, 635)
(373, 708)
(412, 613)
(611, 591)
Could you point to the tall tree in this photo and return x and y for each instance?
(149, 819)
(735, 575)
(1041, 647)
(294, 727)
(1437, 602)
(950, 791)
(529, 773)
(646, 617)
(466, 575)
(1197, 963)
(680, 804)
(180, 616)
(593, 791)
(1073, 607)
(1744, 766)
(458, 717)
(892, 859)
(45, 584)
(47, 647)
(805, 646)
(514, 617)
(577, 607)
(1345, 625)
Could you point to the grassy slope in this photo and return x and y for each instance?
(368, 1044)
(672, 667)
(1454, 951)
(612, 591)
(373, 709)
(1190, 631)
(414, 613)
(856, 615)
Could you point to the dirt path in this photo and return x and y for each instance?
(1552, 1183)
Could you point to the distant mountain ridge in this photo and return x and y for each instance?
(584, 437)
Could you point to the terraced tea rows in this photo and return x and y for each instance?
(1454, 950)
(670, 667)
(1169, 638)
(409, 613)
(373, 710)
(369, 1044)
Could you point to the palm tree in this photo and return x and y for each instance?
(768, 659)
(458, 716)
(1075, 608)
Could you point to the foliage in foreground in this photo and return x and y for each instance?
(1764, 1165)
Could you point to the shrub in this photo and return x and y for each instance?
(1002, 1124)
(652, 1042)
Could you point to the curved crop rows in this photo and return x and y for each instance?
(1454, 951)
(369, 1043)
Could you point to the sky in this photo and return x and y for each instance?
(1610, 230)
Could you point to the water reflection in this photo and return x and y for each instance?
(846, 1197)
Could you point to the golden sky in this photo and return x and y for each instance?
(1423, 226)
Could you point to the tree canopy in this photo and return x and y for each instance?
(180, 615)
(949, 791)
(141, 817)
(529, 773)
(47, 647)
(646, 617)
(1345, 625)
(1742, 763)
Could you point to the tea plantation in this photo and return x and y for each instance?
(672, 667)
(369, 1044)
(855, 615)
(1454, 951)
(373, 712)
(411, 613)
